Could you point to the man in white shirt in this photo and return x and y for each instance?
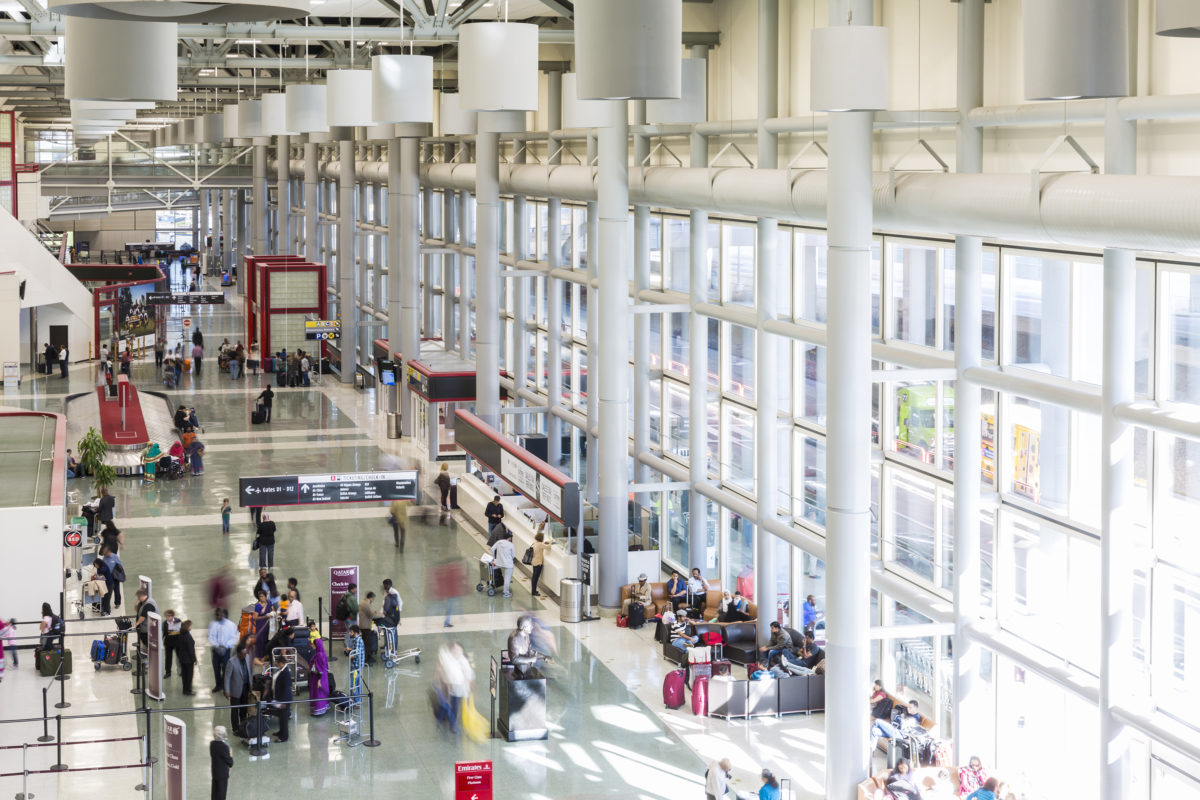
(305, 366)
(62, 360)
(503, 554)
(716, 781)
(222, 639)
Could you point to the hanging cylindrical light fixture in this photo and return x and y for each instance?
(402, 88)
(213, 128)
(249, 119)
(274, 115)
(348, 98)
(106, 60)
(628, 48)
(578, 113)
(692, 105)
(1177, 18)
(229, 122)
(1076, 48)
(306, 109)
(182, 10)
(453, 120)
(498, 66)
(849, 68)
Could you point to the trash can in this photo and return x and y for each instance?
(570, 599)
(358, 380)
(393, 425)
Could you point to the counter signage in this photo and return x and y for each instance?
(493, 676)
(418, 381)
(340, 579)
(175, 746)
(586, 569)
(550, 495)
(519, 474)
(185, 298)
(473, 780)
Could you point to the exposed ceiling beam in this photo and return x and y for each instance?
(465, 11)
(561, 7)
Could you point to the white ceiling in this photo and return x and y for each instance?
(517, 9)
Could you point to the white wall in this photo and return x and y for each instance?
(10, 316)
(40, 576)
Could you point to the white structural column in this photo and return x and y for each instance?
(449, 262)
(283, 154)
(227, 246)
(612, 384)
(410, 263)
(466, 233)
(205, 228)
(395, 261)
(848, 481)
(592, 467)
(487, 275)
(240, 238)
(554, 286)
(698, 371)
(641, 322)
(968, 717)
(518, 343)
(766, 345)
(311, 211)
(259, 211)
(347, 297)
(1116, 479)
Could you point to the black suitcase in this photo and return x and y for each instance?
(637, 615)
(280, 379)
(896, 750)
(258, 416)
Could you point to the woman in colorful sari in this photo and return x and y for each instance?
(150, 461)
(261, 621)
(318, 679)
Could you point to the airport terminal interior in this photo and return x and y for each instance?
(865, 332)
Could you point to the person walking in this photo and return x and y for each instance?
(398, 517)
(443, 484)
(222, 640)
(160, 351)
(253, 360)
(222, 762)
(540, 548)
(172, 625)
(226, 511)
(266, 542)
(185, 648)
(264, 399)
(503, 554)
(197, 358)
(716, 779)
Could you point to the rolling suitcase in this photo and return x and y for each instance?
(281, 378)
(48, 662)
(268, 364)
(258, 416)
(637, 615)
(673, 686)
(700, 697)
(896, 750)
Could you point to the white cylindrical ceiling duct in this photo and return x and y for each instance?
(213, 128)
(229, 123)
(628, 48)
(306, 110)
(191, 131)
(498, 66)
(381, 131)
(849, 68)
(1076, 48)
(182, 10)
(692, 105)
(274, 115)
(1177, 18)
(578, 113)
(249, 119)
(106, 60)
(454, 120)
(348, 98)
(402, 88)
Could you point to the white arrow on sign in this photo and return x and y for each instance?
(251, 490)
(304, 488)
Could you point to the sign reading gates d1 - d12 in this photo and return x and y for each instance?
(278, 490)
(358, 487)
(322, 328)
(185, 298)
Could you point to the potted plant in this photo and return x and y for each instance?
(92, 449)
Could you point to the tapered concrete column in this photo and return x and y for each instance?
(201, 243)
(1116, 477)
(698, 372)
(969, 713)
(612, 334)
(258, 212)
(242, 223)
(449, 263)
(347, 296)
(848, 475)
(311, 184)
(395, 265)
(283, 192)
(592, 465)
(487, 276)
(466, 218)
(519, 358)
(554, 286)
(226, 228)
(641, 322)
(410, 263)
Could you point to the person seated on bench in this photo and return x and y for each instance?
(638, 593)
(810, 653)
(900, 782)
(904, 721)
(680, 637)
(697, 591)
(677, 591)
(779, 643)
(733, 608)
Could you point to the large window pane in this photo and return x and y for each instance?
(675, 252)
(677, 419)
(738, 254)
(1181, 350)
(913, 270)
(738, 463)
(739, 360)
(909, 533)
(739, 556)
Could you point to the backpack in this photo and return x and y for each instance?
(391, 608)
(118, 572)
(56, 624)
(342, 612)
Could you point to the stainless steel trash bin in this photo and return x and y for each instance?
(393, 425)
(358, 380)
(570, 598)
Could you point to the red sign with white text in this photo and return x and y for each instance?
(473, 780)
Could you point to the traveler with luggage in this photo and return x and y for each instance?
(443, 484)
(282, 695)
(392, 604)
(677, 590)
(900, 782)
(504, 555)
(366, 619)
(253, 359)
(494, 511)
(265, 397)
(237, 686)
(141, 623)
(779, 643)
(639, 594)
(51, 628)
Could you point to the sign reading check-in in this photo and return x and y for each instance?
(345, 487)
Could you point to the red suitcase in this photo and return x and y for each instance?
(673, 689)
(722, 668)
(700, 697)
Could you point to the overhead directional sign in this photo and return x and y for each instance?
(345, 487)
(322, 328)
(185, 298)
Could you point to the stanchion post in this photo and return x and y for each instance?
(25, 793)
(256, 749)
(59, 766)
(62, 678)
(331, 656)
(372, 741)
(150, 759)
(45, 737)
(144, 786)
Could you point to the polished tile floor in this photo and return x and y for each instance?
(609, 733)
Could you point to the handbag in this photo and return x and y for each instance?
(254, 544)
(699, 655)
(527, 559)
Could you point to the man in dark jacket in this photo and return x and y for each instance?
(237, 685)
(266, 542)
(264, 398)
(185, 649)
(281, 695)
(222, 762)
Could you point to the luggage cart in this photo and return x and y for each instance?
(487, 575)
(390, 655)
(348, 715)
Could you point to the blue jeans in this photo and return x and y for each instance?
(774, 654)
(882, 729)
(684, 642)
(266, 555)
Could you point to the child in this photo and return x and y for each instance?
(225, 512)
